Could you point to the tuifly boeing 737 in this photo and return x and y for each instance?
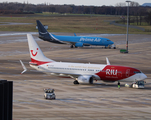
(81, 73)
(74, 41)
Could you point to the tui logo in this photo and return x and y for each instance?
(33, 53)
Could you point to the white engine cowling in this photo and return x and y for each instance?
(85, 79)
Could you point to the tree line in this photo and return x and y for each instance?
(137, 13)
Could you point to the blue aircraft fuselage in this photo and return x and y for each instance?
(74, 41)
(83, 40)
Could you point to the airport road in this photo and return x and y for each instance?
(74, 102)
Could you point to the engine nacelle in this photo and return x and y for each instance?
(79, 44)
(85, 79)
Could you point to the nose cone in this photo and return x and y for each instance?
(143, 76)
(112, 42)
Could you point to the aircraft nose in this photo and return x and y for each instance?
(112, 42)
(143, 76)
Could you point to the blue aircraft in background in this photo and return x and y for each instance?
(74, 41)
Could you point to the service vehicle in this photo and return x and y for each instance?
(49, 94)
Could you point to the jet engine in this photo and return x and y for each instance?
(85, 79)
(79, 44)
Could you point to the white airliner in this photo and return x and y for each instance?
(80, 72)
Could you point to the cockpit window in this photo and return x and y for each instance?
(108, 40)
(137, 72)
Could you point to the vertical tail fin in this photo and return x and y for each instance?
(43, 33)
(36, 54)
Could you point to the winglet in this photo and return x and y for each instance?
(75, 34)
(107, 61)
(25, 69)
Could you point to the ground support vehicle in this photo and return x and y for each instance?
(49, 94)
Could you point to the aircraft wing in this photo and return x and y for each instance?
(64, 74)
(69, 75)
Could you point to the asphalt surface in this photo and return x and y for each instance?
(74, 102)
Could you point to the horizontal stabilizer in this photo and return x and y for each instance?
(25, 69)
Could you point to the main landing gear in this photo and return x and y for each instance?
(75, 82)
(110, 46)
(71, 46)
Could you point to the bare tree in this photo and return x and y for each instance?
(121, 4)
(134, 4)
(148, 18)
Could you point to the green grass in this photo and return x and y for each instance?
(143, 25)
(67, 23)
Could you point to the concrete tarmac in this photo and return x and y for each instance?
(76, 102)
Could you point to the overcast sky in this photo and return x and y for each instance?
(77, 2)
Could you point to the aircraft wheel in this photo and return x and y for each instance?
(114, 47)
(71, 46)
(75, 82)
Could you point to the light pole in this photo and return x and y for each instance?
(127, 26)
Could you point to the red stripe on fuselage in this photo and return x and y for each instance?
(33, 61)
(114, 73)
